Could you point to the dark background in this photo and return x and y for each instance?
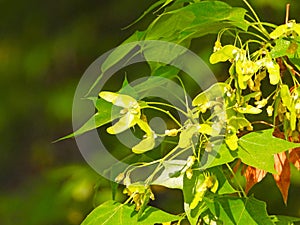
(45, 47)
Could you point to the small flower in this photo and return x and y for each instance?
(189, 173)
(171, 133)
(261, 103)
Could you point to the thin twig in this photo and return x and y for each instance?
(287, 13)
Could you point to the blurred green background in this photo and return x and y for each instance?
(45, 47)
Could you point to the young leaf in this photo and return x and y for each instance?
(234, 210)
(112, 213)
(253, 176)
(283, 176)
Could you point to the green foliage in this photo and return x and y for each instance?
(219, 127)
(110, 213)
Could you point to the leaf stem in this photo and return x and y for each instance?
(166, 112)
(262, 29)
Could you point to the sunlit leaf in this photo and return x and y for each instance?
(195, 20)
(280, 49)
(234, 210)
(112, 213)
(249, 151)
(232, 141)
(279, 31)
(250, 146)
(224, 186)
(286, 96)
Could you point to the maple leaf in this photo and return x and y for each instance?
(294, 157)
(253, 175)
(283, 176)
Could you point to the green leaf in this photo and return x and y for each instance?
(224, 54)
(279, 31)
(257, 149)
(296, 62)
(112, 213)
(117, 55)
(235, 210)
(196, 20)
(99, 119)
(280, 49)
(189, 195)
(284, 220)
(151, 8)
(219, 155)
(224, 185)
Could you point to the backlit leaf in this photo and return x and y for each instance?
(112, 213)
(253, 176)
(283, 176)
(294, 157)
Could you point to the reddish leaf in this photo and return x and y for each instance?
(283, 178)
(294, 157)
(253, 176)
